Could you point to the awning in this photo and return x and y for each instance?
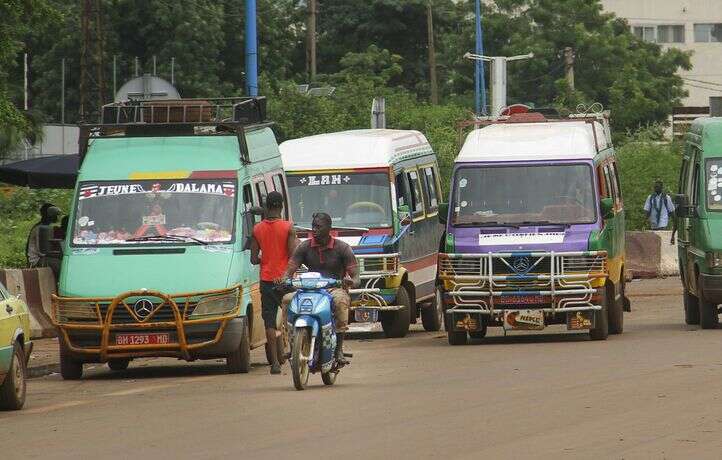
(54, 171)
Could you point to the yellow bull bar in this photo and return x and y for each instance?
(85, 314)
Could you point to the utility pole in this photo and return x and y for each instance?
(251, 49)
(311, 40)
(432, 54)
(92, 79)
(569, 67)
(498, 77)
(479, 83)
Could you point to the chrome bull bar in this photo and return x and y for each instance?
(373, 269)
(555, 282)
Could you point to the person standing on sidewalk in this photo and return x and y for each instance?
(658, 207)
(274, 240)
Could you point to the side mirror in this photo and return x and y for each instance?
(682, 208)
(443, 213)
(404, 215)
(248, 222)
(607, 205)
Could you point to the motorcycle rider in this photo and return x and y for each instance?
(332, 258)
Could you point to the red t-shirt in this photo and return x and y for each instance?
(272, 237)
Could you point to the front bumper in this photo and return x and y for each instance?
(88, 326)
(491, 283)
(712, 287)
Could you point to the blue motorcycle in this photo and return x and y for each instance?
(313, 331)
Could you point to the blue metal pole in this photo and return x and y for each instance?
(251, 49)
(479, 83)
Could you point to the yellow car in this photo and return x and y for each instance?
(15, 348)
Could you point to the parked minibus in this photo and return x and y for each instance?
(381, 188)
(699, 222)
(534, 229)
(155, 262)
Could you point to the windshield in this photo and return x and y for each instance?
(351, 199)
(161, 211)
(714, 184)
(527, 194)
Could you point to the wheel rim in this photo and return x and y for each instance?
(303, 364)
(19, 378)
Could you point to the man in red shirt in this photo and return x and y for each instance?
(274, 240)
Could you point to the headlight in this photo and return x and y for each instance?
(215, 305)
(714, 259)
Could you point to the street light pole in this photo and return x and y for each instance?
(479, 83)
(251, 49)
(498, 77)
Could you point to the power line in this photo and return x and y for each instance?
(702, 81)
(704, 87)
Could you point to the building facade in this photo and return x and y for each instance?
(690, 25)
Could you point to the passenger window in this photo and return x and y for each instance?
(417, 201)
(261, 192)
(247, 197)
(616, 189)
(402, 191)
(431, 195)
(607, 192)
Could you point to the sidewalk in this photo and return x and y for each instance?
(44, 359)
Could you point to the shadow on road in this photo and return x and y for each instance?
(146, 370)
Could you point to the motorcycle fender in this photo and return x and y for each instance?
(307, 321)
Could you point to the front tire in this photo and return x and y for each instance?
(119, 364)
(691, 308)
(300, 352)
(13, 389)
(239, 361)
(432, 315)
(396, 323)
(601, 321)
(70, 368)
(615, 311)
(708, 314)
(329, 378)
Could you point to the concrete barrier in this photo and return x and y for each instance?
(34, 286)
(649, 254)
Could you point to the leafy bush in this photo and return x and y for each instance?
(18, 213)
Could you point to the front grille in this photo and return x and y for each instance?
(121, 315)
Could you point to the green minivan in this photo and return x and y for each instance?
(698, 220)
(156, 259)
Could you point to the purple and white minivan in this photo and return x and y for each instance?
(534, 230)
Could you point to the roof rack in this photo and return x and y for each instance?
(226, 116)
(591, 115)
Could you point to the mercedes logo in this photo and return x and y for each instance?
(143, 308)
(521, 264)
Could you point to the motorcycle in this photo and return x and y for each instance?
(313, 331)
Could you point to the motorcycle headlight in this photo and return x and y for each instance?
(217, 305)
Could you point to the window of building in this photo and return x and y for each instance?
(646, 33)
(670, 34)
(707, 33)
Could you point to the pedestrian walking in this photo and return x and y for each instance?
(274, 240)
(658, 207)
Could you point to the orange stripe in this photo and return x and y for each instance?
(418, 264)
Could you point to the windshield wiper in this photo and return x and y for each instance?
(167, 238)
(544, 222)
(487, 224)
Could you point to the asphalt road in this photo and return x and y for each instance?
(653, 392)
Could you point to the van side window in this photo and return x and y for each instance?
(261, 192)
(616, 189)
(682, 186)
(417, 201)
(429, 183)
(607, 193)
(247, 197)
(280, 187)
(402, 193)
(695, 184)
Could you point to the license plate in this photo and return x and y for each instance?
(521, 300)
(580, 320)
(366, 315)
(527, 320)
(142, 339)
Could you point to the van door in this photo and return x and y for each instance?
(418, 188)
(683, 222)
